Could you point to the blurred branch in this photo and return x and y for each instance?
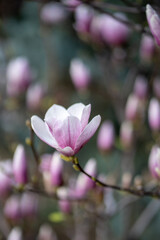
(137, 192)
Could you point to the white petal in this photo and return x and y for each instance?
(56, 112)
(42, 132)
(76, 110)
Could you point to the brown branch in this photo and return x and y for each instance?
(136, 192)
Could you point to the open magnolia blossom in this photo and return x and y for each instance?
(66, 130)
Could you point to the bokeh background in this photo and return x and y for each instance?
(50, 39)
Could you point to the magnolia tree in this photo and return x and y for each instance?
(64, 174)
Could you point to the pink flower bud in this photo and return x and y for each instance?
(56, 169)
(6, 180)
(156, 87)
(28, 205)
(140, 87)
(84, 183)
(12, 208)
(46, 233)
(66, 130)
(20, 165)
(71, 4)
(83, 17)
(45, 170)
(34, 97)
(65, 206)
(154, 22)
(147, 47)
(154, 114)
(114, 32)
(53, 13)
(132, 107)
(80, 74)
(154, 162)
(96, 27)
(106, 136)
(126, 134)
(19, 76)
(15, 234)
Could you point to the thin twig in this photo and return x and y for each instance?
(136, 192)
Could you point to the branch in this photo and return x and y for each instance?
(136, 192)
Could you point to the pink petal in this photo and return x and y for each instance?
(42, 132)
(88, 132)
(67, 132)
(67, 151)
(80, 111)
(56, 112)
(76, 110)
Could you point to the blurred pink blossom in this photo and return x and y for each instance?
(106, 136)
(126, 133)
(154, 114)
(114, 31)
(154, 22)
(6, 175)
(65, 206)
(141, 87)
(19, 76)
(66, 130)
(53, 13)
(132, 107)
(80, 74)
(28, 205)
(154, 162)
(56, 169)
(84, 183)
(34, 96)
(15, 234)
(12, 208)
(20, 165)
(147, 47)
(83, 17)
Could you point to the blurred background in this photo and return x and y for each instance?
(98, 52)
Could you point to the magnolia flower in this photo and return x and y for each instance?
(66, 130)
(154, 162)
(154, 22)
(154, 114)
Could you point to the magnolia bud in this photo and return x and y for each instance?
(114, 31)
(147, 47)
(65, 206)
(106, 136)
(34, 97)
(154, 114)
(56, 169)
(83, 17)
(28, 205)
(15, 234)
(19, 76)
(84, 183)
(20, 165)
(80, 74)
(126, 134)
(6, 181)
(132, 107)
(154, 22)
(53, 13)
(154, 162)
(46, 233)
(12, 208)
(140, 87)
(45, 170)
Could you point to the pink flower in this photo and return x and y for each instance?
(20, 165)
(154, 114)
(6, 180)
(80, 74)
(19, 76)
(12, 208)
(113, 31)
(84, 183)
(132, 107)
(126, 133)
(154, 162)
(106, 136)
(66, 130)
(56, 169)
(53, 13)
(147, 47)
(154, 22)
(140, 87)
